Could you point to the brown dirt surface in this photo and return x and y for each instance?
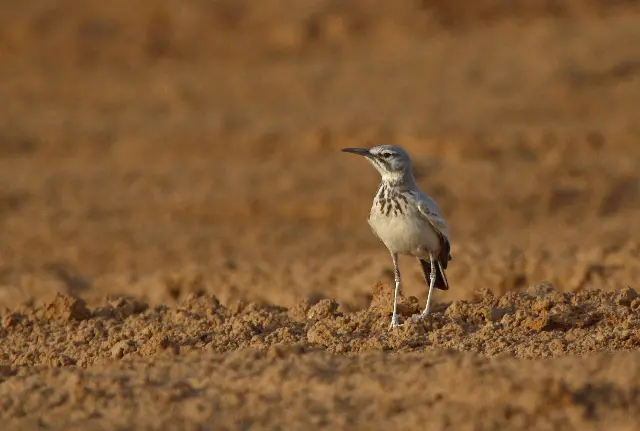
(183, 246)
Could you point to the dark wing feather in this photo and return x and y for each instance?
(431, 212)
(441, 278)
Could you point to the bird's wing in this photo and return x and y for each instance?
(428, 208)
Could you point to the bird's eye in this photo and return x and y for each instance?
(387, 155)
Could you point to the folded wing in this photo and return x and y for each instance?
(429, 209)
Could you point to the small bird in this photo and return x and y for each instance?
(406, 220)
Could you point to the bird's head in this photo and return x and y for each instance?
(391, 161)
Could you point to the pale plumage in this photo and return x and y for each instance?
(406, 220)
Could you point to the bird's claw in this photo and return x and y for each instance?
(419, 317)
(394, 324)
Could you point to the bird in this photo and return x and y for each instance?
(407, 221)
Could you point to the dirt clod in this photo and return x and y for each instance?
(183, 245)
(626, 296)
(121, 348)
(66, 308)
(324, 309)
(540, 290)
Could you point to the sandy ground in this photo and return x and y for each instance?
(183, 246)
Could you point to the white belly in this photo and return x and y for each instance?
(405, 233)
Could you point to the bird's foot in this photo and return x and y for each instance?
(394, 323)
(420, 317)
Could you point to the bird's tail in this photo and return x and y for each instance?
(441, 278)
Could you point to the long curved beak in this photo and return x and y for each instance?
(359, 151)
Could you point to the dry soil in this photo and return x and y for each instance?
(183, 245)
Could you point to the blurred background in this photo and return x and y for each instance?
(160, 148)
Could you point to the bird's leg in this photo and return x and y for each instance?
(432, 283)
(396, 270)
